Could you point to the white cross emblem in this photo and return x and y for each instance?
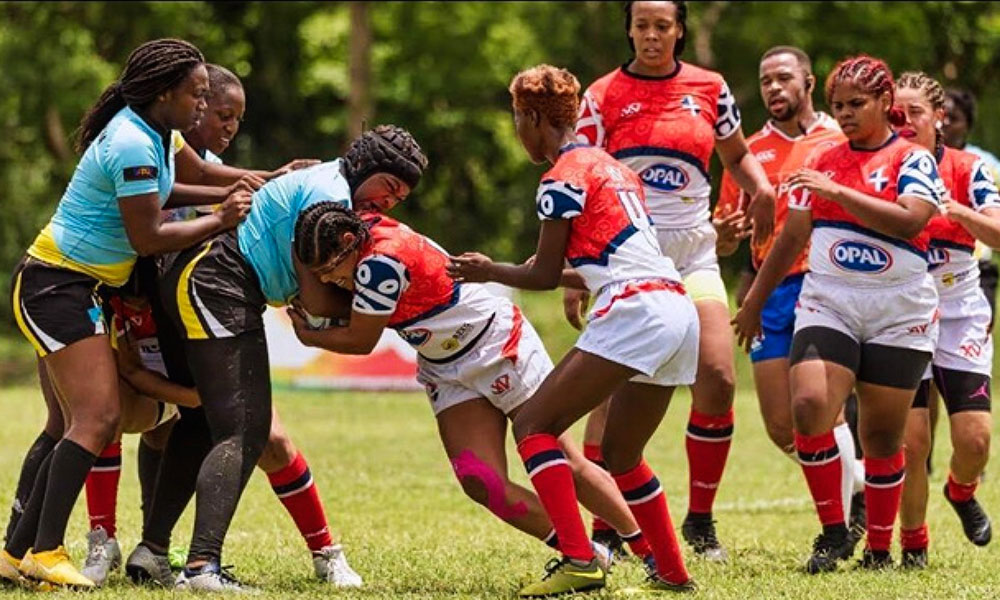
(690, 105)
(877, 179)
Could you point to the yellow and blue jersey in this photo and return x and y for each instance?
(265, 237)
(87, 234)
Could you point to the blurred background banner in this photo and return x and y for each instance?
(317, 72)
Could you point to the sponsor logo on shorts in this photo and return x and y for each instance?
(860, 257)
(416, 337)
(500, 385)
(971, 350)
(664, 177)
(938, 256)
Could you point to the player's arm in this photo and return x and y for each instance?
(982, 220)
(750, 176)
(360, 336)
(543, 272)
(320, 299)
(193, 169)
(150, 383)
(149, 236)
(787, 248)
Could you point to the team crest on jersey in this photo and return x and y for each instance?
(688, 103)
(860, 257)
(665, 177)
(878, 179)
(416, 337)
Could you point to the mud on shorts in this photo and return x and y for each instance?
(55, 307)
(649, 325)
(506, 365)
(693, 253)
(211, 291)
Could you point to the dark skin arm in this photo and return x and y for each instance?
(905, 218)
(148, 236)
(792, 239)
(191, 169)
(150, 383)
(359, 337)
(543, 272)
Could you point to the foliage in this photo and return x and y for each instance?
(440, 69)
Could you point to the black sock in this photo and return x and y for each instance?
(23, 535)
(187, 446)
(149, 465)
(71, 463)
(42, 447)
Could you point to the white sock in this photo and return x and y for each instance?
(859, 475)
(845, 446)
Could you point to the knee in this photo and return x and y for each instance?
(806, 411)
(474, 488)
(975, 444)
(918, 447)
(718, 379)
(882, 443)
(619, 459)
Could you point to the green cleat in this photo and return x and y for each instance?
(565, 576)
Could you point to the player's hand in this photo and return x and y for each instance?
(470, 267)
(294, 165)
(816, 182)
(761, 213)
(233, 209)
(129, 361)
(303, 331)
(248, 182)
(955, 211)
(746, 325)
(730, 230)
(575, 304)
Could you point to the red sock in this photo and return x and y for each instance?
(820, 462)
(592, 452)
(883, 489)
(295, 488)
(708, 440)
(648, 503)
(102, 488)
(553, 482)
(914, 539)
(961, 492)
(638, 544)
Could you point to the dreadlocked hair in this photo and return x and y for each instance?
(319, 229)
(151, 69)
(220, 79)
(682, 12)
(932, 91)
(553, 92)
(870, 75)
(385, 149)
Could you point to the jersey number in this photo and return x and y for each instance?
(637, 214)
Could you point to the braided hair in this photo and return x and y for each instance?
(870, 75)
(319, 229)
(932, 91)
(385, 149)
(682, 12)
(152, 69)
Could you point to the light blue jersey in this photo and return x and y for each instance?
(86, 233)
(266, 236)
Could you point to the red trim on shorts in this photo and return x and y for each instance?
(653, 285)
(510, 346)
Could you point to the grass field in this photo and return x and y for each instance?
(410, 532)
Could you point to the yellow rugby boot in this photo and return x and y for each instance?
(565, 576)
(9, 569)
(53, 567)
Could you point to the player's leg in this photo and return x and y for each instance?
(593, 431)
(149, 455)
(635, 413)
(822, 374)
(913, 532)
(292, 482)
(710, 424)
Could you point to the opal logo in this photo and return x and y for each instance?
(668, 178)
(938, 256)
(416, 337)
(860, 257)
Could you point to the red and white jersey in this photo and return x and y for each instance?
(402, 274)
(664, 129)
(843, 246)
(952, 248)
(611, 236)
(780, 156)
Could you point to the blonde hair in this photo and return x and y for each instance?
(553, 92)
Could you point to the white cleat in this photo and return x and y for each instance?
(103, 556)
(605, 557)
(331, 566)
(211, 578)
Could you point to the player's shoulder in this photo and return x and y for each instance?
(599, 87)
(961, 159)
(693, 76)
(125, 132)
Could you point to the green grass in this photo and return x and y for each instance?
(408, 529)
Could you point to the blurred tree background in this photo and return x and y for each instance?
(315, 73)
